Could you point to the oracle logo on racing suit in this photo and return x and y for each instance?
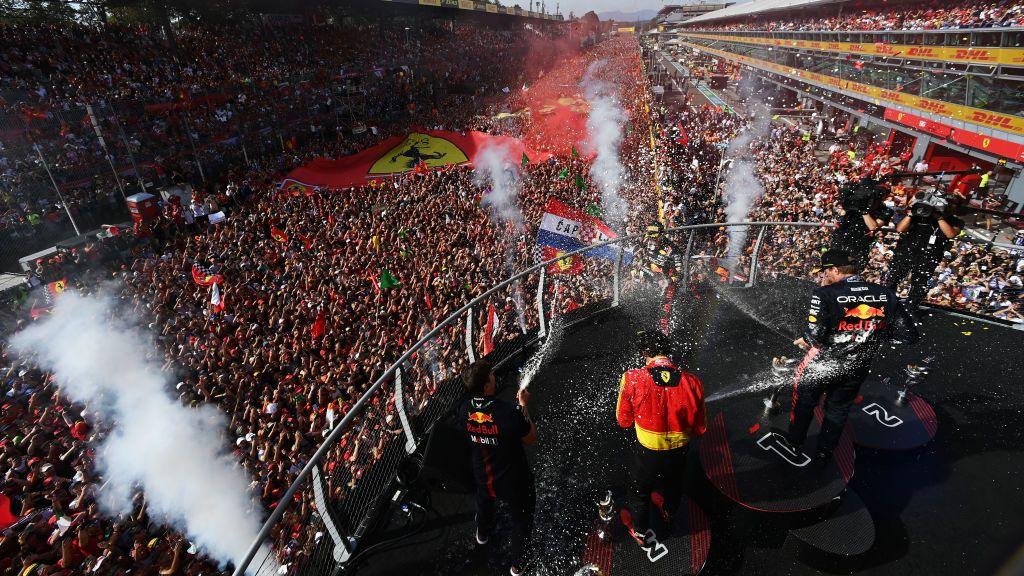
(864, 298)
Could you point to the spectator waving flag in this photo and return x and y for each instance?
(278, 234)
(216, 299)
(49, 295)
(204, 276)
(55, 289)
(567, 229)
(490, 329)
(387, 280)
(319, 325)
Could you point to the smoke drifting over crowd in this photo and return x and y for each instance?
(496, 167)
(742, 186)
(604, 136)
(174, 454)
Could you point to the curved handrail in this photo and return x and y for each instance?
(357, 408)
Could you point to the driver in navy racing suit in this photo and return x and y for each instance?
(848, 320)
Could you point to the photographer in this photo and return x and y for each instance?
(863, 214)
(924, 235)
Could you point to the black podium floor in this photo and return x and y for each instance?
(953, 506)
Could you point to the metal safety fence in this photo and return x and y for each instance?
(333, 502)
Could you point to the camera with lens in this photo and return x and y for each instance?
(927, 203)
(861, 196)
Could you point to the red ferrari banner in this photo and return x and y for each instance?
(415, 152)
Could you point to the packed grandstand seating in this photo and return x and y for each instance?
(282, 384)
(888, 16)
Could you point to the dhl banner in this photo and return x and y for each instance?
(417, 151)
(627, 30)
(994, 120)
(966, 54)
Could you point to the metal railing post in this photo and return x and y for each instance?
(686, 257)
(615, 277)
(410, 438)
(554, 302)
(753, 257)
(56, 188)
(340, 552)
(540, 306)
(469, 336)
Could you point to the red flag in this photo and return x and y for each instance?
(30, 113)
(277, 234)
(490, 329)
(204, 277)
(306, 241)
(683, 138)
(6, 518)
(319, 325)
(568, 265)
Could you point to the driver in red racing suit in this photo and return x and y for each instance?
(665, 407)
(848, 321)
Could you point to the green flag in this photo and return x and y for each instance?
(594, 210)
(387, 281)
(563, 173)
(525, 160)
(575, 153)
(581, 183)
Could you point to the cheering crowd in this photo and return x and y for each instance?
(251, 93)
(321, 291)
(933, 15)
(801, 186)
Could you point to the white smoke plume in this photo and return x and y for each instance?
(498, 168)
(604, 136)
(742, 186)
(175, 455)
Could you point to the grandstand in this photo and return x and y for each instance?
(249, 248)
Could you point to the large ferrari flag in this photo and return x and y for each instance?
(415, 152)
